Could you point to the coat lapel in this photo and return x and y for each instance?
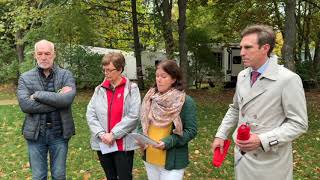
(261, 85)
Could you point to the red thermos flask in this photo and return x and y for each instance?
(243, 133)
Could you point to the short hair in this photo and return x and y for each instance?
(264, 33)
(117, 59)
(43, 41)
(174, 71)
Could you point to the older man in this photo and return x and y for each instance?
(45, 94)
(270, 99)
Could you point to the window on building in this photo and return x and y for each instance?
(217, 57)
(236, 60)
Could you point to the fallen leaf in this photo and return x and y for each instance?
(26, 165)
(86, 176)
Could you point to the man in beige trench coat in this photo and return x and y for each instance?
(274, 106)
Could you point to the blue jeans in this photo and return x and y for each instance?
(38, 153)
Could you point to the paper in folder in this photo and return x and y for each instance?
(143, 139)
(218, 158)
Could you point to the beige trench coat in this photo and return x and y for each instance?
(275, 107)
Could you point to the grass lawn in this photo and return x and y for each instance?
(83, 163)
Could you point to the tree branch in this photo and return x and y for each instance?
(102, 7)
(312, 3)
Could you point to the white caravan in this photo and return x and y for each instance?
(130, 71)
(228, 57)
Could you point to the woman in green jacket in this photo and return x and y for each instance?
(168, 116)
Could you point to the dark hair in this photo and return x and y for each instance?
(265, 35)
(117, 59)
(174, 71)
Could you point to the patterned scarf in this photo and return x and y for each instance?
(162, 109)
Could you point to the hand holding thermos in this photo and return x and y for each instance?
(243, 133)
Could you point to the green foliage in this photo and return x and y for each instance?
(205, 65)
(8, 73)
(109, 24)
(113, 23)
(150, 76)
(18, 16)
(218, 87)
(84, 64)
(8, 63)
(309, 73)
(65, 24)
(29, 61)
(27, 65)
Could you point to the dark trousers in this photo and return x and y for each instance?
(117, 165)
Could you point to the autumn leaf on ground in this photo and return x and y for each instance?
(86, 176)
(26, 165)
(1, 174)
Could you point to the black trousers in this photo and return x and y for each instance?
(117, 165)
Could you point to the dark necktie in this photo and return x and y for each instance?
(254, 76)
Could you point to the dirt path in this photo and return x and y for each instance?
(8, 102)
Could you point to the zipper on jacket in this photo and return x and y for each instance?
(109, 113)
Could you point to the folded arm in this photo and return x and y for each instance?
(61, 99)
(27, 104)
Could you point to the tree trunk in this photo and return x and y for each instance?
(277, 18)
(164, 10)
(137, 46)
(183, 51)
(300, 30)
(316, 60)
(19, 46)
(307, 21)
(290, 34)
(19, 49)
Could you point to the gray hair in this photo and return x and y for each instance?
(43, 41)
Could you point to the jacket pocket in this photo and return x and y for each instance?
(31, 127)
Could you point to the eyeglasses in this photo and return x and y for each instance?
(108, 71)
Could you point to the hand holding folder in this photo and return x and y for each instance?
(218, 158)
(143, 139)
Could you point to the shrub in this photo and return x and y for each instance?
(84, 64)
(29, 61)
(150, 76)
(8, 63)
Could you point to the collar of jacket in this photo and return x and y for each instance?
(271, 71)
(106, 84)
(52, 70)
